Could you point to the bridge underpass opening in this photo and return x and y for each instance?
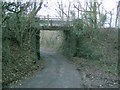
(51, 39)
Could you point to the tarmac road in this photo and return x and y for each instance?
(58, 73)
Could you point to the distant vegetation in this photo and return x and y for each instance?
(84, 38)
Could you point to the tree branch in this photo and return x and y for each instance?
(81, 10)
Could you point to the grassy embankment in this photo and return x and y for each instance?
(18, 61)
(105, 67)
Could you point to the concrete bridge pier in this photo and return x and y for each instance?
(38, 44)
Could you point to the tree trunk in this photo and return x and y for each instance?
(95, 15)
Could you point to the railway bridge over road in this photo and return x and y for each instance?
(52, 24)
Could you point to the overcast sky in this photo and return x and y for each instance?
(49, 6)
(108, 5)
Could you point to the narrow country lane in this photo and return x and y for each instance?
(58, 73)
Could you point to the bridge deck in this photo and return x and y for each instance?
(54, 28)
(52, 24)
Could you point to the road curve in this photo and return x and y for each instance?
(58, 73)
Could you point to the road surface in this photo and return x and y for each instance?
(58, 73)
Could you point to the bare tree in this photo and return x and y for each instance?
(118, 15)
(61, 11)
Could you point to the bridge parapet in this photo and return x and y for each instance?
(53, 21)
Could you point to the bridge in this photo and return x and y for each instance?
(43, 23)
